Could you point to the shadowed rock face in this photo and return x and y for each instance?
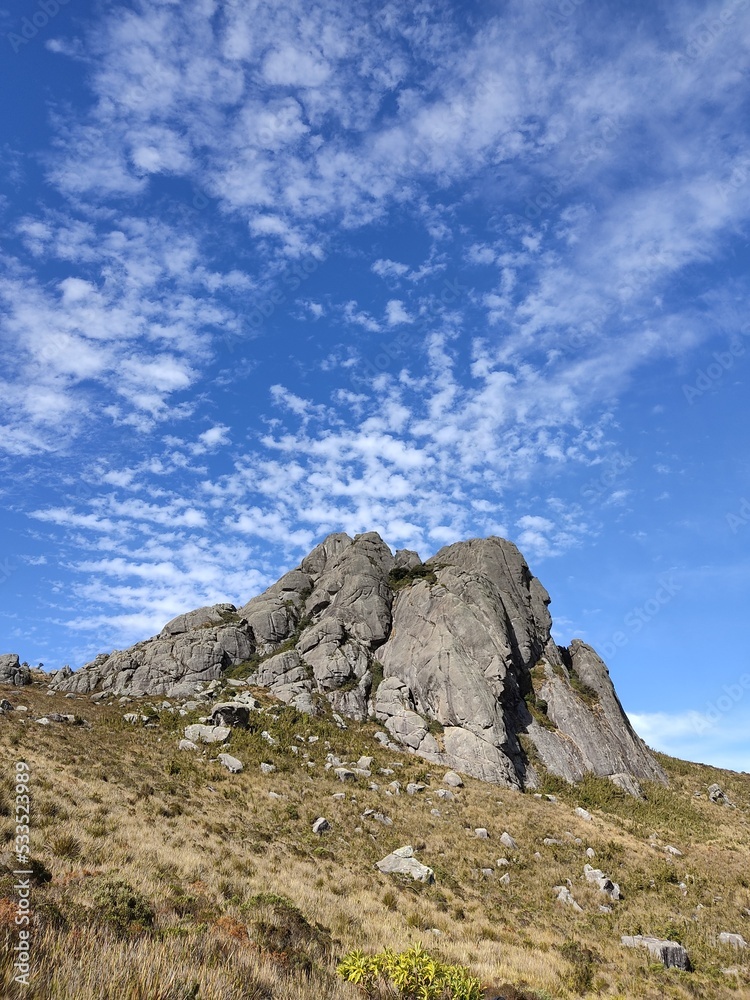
(454, 657)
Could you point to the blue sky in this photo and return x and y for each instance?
(274, 270)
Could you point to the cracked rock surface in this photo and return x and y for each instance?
(453, 656)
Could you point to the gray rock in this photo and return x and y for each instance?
(266, 768)
(453, 779)
(198, 733)
(344, 774)
(507, 841)
(669, 953)
(456, 649)
(674, 851)
(565, 896)
(13, 672)
(415, 787)
(320, 825)
(231, 714)
(403, 862)
(504, 879)
(481, 833)
(502, 862)
(230, 763)
(445, 794)
(735, 940)
(717, 796)
(584, 814)
(604, 884)
(628, 784)
(187, 745)
(590, 852)
(6, 706)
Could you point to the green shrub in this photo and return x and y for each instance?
(401, 577)
(409, 975)
(122, 907)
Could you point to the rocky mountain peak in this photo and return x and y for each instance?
(454, 656)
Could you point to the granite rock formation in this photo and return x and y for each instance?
(453, 656)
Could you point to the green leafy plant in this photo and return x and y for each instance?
(122, 907)
(409, 975)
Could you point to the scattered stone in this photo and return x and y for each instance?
(628, 784)
(605, 884)
(504, 879)
(230, 763)
(550, 842)
(132, 718)
(605, 909)
(320, 825)
(508, 841)
(590, 852)
(5, 706)
(344, 774)
(207, 734)
(735, 940)
(415, 787)
(445, 794)
(716, 795)
(230, 714)
(551, 798)
(22, 708)
(43, 721)
(364, 763)
(339, 721)
(187, 745)
(502, 862)
(403, 862)
(670, 953)
(266, 768)
(378, 817)
(453, 779)
(481, 833)
(12, 671)
(487, 872)
(584, 814)
(434, 812)
(565, 896)
(339, 795)
(268, 738)
(673, 851)
(275, 795)
(394, 788)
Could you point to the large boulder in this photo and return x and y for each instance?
(403, 862)
(454, 656)
(670, 953)
(13, 672)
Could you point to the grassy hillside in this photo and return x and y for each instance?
(173, 879)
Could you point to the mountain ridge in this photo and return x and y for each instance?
(454, 656)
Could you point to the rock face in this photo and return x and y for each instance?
(453, 656)
(670, 953)
(12, 672)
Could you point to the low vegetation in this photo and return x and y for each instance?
(158, 875)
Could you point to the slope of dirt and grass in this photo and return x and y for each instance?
(162, 876)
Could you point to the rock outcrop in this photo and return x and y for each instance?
(453, 656)
(13, 672)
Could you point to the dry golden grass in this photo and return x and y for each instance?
(210, 853)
